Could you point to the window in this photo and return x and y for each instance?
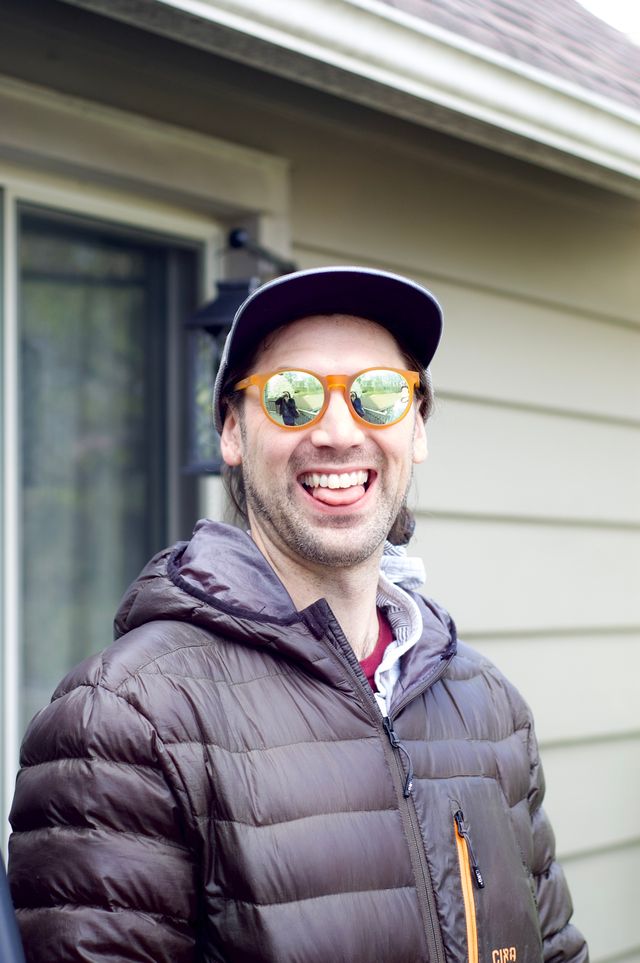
(101, 428)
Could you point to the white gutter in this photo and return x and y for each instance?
(410, 67)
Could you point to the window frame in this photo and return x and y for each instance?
(136, 221)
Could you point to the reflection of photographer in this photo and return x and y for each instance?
(356, 404)
(287, 409)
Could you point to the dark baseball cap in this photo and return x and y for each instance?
(407, 310)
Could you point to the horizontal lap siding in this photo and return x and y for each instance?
(554, 248)
(528, 508)
(614, 783)
(531, 352)
(563, 677)
(512, 576)
(532, 464)
(604, 887)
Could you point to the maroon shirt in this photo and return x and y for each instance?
(371, 663)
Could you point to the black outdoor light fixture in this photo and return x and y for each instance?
(207, 330)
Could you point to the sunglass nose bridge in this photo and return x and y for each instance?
(337, 381)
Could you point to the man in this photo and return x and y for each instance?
(287, 410)
(287, 755)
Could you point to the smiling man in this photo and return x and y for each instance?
(287, 755)
(322, 501)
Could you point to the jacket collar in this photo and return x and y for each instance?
(220, 581)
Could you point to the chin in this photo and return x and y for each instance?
(337, 546)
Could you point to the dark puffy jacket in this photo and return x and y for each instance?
(219, 785)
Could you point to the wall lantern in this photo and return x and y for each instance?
(206, 331)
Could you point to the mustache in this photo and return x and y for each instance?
(301, 459)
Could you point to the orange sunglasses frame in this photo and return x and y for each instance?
(329, 382)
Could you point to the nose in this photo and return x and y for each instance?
(337, 428)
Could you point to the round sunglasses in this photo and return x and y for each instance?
(293, 399)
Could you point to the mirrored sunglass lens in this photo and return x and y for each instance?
(293, 398)
(381, 396)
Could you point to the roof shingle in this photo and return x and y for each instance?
(558, 36)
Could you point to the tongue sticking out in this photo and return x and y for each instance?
(338, 496)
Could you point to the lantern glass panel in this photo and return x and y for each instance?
(204, 444)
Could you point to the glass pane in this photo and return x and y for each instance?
(205, 352)
(93, 357)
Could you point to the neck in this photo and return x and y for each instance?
(350, 592)
(352, 598)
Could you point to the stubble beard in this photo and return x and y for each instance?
(337, 541)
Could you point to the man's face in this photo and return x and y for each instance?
(289, 511)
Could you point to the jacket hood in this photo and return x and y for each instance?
(220, 581)
(219, 572)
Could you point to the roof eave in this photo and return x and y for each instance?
(374, 54)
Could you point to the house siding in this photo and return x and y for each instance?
(528, 509)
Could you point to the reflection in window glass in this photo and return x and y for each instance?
(93, 378)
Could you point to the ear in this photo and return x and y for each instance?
(231, 438)
(420, 450)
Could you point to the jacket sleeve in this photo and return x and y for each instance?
(562, 942)
(98, 863)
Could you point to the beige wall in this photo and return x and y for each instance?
(529, 514)
(529, 505)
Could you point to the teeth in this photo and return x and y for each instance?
(344, 480)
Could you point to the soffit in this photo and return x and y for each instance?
(374, 53)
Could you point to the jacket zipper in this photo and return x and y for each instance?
(469, 870)
(424, 884)
(407, 789)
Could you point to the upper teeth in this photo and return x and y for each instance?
(344, 480)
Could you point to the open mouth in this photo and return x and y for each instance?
(336, 488)
(342, 480)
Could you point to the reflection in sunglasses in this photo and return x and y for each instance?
(297, 398)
